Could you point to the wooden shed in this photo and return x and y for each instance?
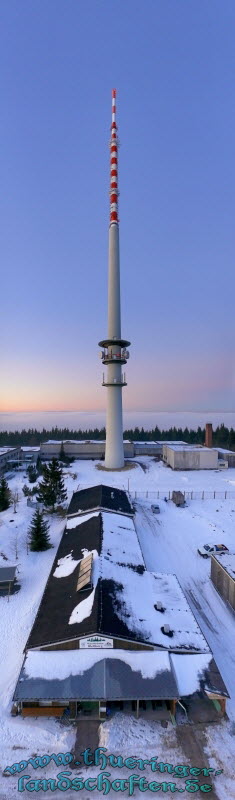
(7, 578)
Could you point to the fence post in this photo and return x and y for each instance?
(135, 494)
(169, 495)
(203, 495)
(225, 495)
(147, 494)
(191, 495)
(158, 495)
(214, 495)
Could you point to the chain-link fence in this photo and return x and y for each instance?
(192, 494)
(161, 494)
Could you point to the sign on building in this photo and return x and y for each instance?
(96, 641)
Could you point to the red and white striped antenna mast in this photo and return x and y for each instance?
(114, 164)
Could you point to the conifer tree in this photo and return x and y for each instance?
(62, 456)
(52, 489)
(39, 533)
(4, 495)
(32, 473)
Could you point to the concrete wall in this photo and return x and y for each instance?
(208, 459)
(147, 449)
(80, 450)
(223, 582)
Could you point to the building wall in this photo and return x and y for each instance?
(147, 449)
(89, 449)
(6, 457)
(190, 459)
(208, 459)
(223, 582)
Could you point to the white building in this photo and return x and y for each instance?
(190, 457)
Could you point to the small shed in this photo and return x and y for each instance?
(7, 578)
(178, 498)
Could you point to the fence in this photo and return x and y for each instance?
(160, 494)
(34, 504)
(193, 494)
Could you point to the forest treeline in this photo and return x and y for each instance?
(222, 436)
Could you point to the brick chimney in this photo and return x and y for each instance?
(208, 439)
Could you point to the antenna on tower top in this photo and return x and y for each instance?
(114, 165)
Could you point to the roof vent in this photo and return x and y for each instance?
(112, 495)
(166, 630)
(158, 606)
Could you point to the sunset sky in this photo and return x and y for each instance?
(173, 64)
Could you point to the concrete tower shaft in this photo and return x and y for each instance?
(114, 353)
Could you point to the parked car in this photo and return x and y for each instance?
(208, 549)
(155, 509)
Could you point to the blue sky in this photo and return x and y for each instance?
(173, 64)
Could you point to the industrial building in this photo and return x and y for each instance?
(9, 457)
(73, 448)
(109, 634)
(223, 576)
(228, 456)
(185, 457)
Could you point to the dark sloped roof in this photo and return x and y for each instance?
(7, 574)
(100, 497)
(108, 679)
(60, 596)
(212, 680)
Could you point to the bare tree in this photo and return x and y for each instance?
(15, 547)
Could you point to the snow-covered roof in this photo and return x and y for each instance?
(197, 672)
(227, 561)
(27, 449)
(92, 674)
(79, 441)
(223, 450)
(115, 674)
(123, 601)
(172, 442)
(190, 448)
(4, 450)
(150, 442)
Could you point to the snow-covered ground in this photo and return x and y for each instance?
(169, 543)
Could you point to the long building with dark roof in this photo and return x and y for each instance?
(99, 596)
